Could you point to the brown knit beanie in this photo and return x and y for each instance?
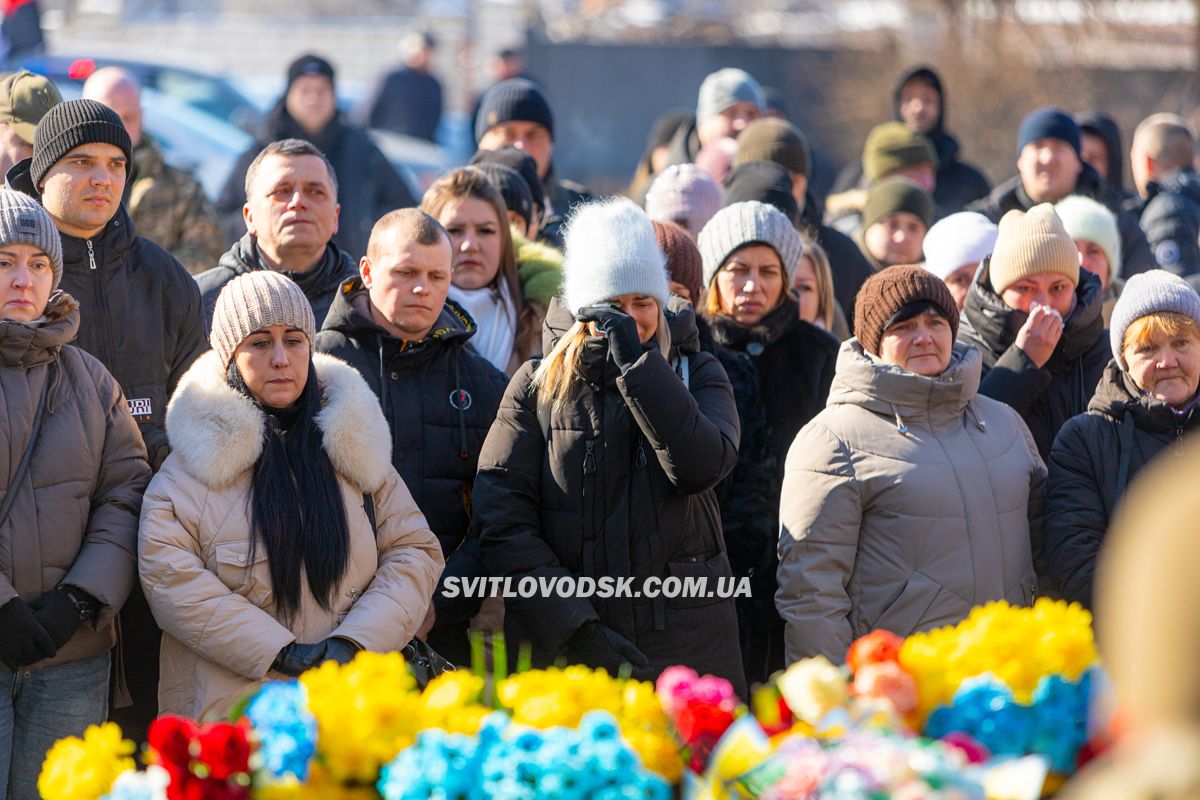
(774, 139)
(887, 291)
(1029, 243)
(891, 147)
(684, 264)
(253, 301)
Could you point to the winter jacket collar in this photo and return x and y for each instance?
(986, 318)
(1012, 194)
(1117, 393)
(350, 314)
(23, 345)
(217, 432)
(745, 339)
(328, 273)
(1182, 181)
(938, 403)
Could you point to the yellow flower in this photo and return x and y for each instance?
(85, 769)
(451, 702)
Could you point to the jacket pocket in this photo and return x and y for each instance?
(251, 579)
(904, 616)
(698, 576)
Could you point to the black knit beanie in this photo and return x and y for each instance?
(512, 188)
(72, 124)
(517, 160)
(765, 181)
(309, 65)
(516, 99)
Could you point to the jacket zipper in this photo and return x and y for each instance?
(101, 308)
(91, 255)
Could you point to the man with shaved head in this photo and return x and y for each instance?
(394, 323)
(1169, 207)
(168, 205)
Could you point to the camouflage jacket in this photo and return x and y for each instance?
(170, 209)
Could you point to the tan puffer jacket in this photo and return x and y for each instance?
(906, 502)
(219, 632)
(75, 518)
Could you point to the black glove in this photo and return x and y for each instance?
(23, 641)
(296, 658)
(621, 331)
(597, 645)
(340, 650)
(61, 615)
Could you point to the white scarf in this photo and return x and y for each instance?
(492, 310)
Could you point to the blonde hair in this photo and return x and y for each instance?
(1158, 327)
(557, 375)
(824, 274)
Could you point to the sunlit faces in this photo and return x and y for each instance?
(407, 283)
(530, 138)
(26, 279)
(921, 345)
(920, 106)
(291, 208)
(727, 124)
(1093, 259)
(273, 363)
(1049, 169)
(1043, 288)
(82, 190)
(750, 283)
(896, 239)
(808, 290)
(474, 230)
(1166, 366)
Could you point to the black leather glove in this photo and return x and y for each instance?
(597, 645)
(340, 650)
(621, 331)
(61, 615)
(296, 658)
(23, 641)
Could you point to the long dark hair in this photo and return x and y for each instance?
(296, 505)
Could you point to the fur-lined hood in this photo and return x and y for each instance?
(217, 432)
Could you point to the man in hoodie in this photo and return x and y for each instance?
(1100, 146)
(290, 219)
(394, 323)
(308, 111)
(1049, 168)
(1168, 209)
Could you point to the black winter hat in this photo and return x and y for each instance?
(512, 100)
(512, 187)
(309, 64)
(1048, 123)
(72, 124)
(765, 181)
(522, 163)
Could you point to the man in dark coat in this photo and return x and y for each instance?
(308, 111)
(290, 218)
(408, 100)
(140, 314)
(1049, 168)
(1100, 146)
(919, 101)
(394, 325)
(1168, 208)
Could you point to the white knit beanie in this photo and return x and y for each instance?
(749, 222)
(686, 195)
(1090, 221)
(611, 250)
(1152, 292)
(959, 239)
(256, 300)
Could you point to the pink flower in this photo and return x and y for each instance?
(674, 687)
(886, 680)
(714, 691)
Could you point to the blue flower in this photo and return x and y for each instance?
(286, 730)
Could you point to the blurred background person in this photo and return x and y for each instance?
(408, 100)
(24, 100)
(1094, 231)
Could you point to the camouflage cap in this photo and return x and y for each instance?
(24, 100)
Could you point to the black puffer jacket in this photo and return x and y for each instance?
(140, 314)
(1094, 458)
(849, 266)
(1170, 218)
(1135, 252)
(1045, 397)
(619, 483)
(368, 185)
(320, 284)
(437, 432)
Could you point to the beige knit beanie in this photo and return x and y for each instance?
(1029, 243)
(253, 301)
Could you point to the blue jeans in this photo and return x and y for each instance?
(39, 707)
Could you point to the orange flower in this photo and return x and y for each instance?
(887, 681)
(876, 647)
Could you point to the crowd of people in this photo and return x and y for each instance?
(248, 439)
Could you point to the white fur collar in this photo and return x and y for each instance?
(217, 432)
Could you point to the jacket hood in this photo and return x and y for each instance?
(1116, 394)
(334, 267)
(350, 314)
(681, 323)
(893, 391)
(26, 345)
(927, 75)
(771, 328)
(1105, 127)
(985, 317)
(217, 432)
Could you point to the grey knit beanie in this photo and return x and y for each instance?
(723, 88)
(746, 223)
(1148, 293)
(23, 221)
(253, 301)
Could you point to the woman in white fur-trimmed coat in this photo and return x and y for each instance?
(257, 550)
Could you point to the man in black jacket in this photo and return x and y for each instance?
(395, 325)
(291, 216)
(1169, 207)
(1049, 168)
(140, 312)
(308, 111)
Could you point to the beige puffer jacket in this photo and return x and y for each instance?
(905, 503)
(215, 609)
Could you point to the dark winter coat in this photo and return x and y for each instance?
(140, 314)
(561, 196)
(619, 483)
(849, 266)
(439, 398)
(1170, 217)
(1048, 396)
(320, 284)
(368, 185)
(1135, 252)
(407, 101)
(1094, 458)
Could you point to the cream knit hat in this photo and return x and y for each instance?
(253, 301)
(1030, 243)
